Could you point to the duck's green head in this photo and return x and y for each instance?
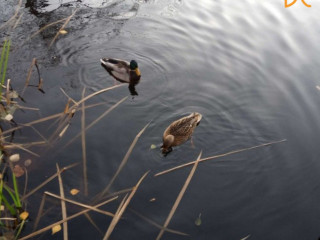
(134, 66)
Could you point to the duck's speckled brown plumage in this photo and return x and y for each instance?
(180, 131)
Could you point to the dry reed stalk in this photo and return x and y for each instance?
(28, 76)
(123, 162)
(80, 204)
(122, 207)
(57, 115)
(44, 28)
(96, 93)
(63, 205)
(83, 144)
(19, 146)
(48, 180)
(70, 98)
(176, 203)
(36, 222)
(158, 225)
(96, 120)
(62, 27)
(62, 221)
(25, 180)
(18, 21)
(219, 156)
(14, 16)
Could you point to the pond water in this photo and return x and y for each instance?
(249, 67)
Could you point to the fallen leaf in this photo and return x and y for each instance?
(56, 229)
(14, 157)
(74, 191)
(27, 162)
(198, 221)
(24, 215)
(62, 31)
(153, 146)
(18, 171)
(8, 117)
(2, 208)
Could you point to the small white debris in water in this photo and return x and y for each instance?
(14, 157)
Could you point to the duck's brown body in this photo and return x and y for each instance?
(180, 131)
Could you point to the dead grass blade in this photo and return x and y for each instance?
(14, 16)
(96, 120)
(28, 76)
(80, 204)
(83, 144)
(46, 181)
(63, 206)
(54, 116)
(62, 221)
(122, 208)
(36, 222)
(158, 225)
(245, 237)
(123, 162)
(62, 27)
(219, 156)
(176, 203)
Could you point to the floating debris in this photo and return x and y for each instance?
(62, 31)
(74, 191)
(55, 229)
(24, 215)
(198, 221)
(14, 157)
(18, 171)
(27, 162)
(153, 146)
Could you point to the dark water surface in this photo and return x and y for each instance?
(249, 67)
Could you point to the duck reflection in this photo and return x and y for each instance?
(123, 71)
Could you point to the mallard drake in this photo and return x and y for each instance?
(180, 131)
(122, 70)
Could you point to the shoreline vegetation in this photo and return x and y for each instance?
(14, 196)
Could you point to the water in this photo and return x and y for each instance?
(250, 68)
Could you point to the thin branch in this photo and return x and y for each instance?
(63, 205)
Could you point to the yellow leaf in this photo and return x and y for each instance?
(62, 31)
(198, 221)
(153, 146)
(56, 229)
(2, 208)
(24, 215)
(74, 191)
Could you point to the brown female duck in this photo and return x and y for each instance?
(180, 131)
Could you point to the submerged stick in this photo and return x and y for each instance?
(122, 208)
(36, 222)
(218, 156)
(123, 162)
(176, 203)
